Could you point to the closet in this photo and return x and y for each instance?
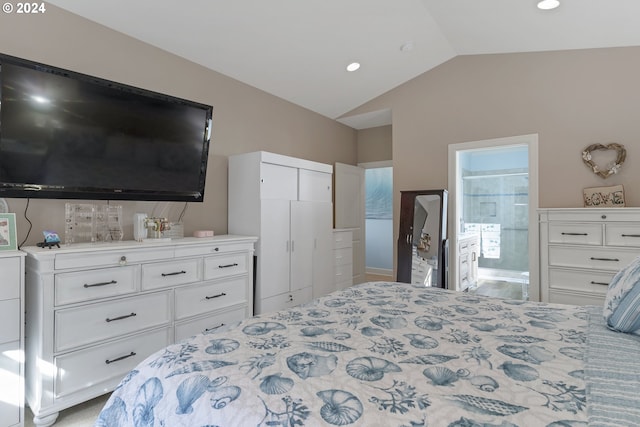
(422, 238)
(287, 203)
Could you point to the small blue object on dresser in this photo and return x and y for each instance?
(622, 304)
(51, 239)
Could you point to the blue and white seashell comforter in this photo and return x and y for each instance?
(378, 354)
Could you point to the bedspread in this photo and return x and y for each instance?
(377, 354)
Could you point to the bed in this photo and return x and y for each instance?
(390, 354)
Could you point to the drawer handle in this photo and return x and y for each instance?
(121, 317)
(175, 273)
(575, 234)
(216, 296)
(113, 282)
(604, 259)
(214, 328)
(599, 283)
(117, 359)
(631, 235)
(235, 264)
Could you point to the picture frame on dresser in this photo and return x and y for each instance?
(8, 233)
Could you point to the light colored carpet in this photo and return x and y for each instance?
(82, 415)
(499, 289)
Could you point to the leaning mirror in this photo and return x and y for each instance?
(422, 243)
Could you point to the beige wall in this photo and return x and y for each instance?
(374, 144)
(245, 119)
(570, 99)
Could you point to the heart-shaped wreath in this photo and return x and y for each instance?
(613, 167)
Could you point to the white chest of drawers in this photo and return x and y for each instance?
(93, 311)
(582, 249)
(11, 338)
(343, 258)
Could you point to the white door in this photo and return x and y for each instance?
(301, 245)
(349, 212)
(278, 182)
(314, 186)
(274, 248)
(322, 220)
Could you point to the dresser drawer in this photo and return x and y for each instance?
(343, 273)
(559, 297)
(92, 323)
(89, 285)
(595, 282)
(224, 265)
(110, 258)
(342, 239)
(106, 364)
(622, 235)
(286, 300)
(576, 233)
(10, 286)
(9, 320)
(594, 214)
(194, 300)
(172, 273)
(208, 249)
(209, 324)
(343, 256)
(592, 258)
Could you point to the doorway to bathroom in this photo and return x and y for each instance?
(494, 217)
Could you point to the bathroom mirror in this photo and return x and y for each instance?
(422, 238)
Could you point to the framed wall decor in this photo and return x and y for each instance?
(602, 197)
(8, 235)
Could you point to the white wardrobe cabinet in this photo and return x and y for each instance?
(286, 202)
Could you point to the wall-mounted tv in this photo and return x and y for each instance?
(67, 135)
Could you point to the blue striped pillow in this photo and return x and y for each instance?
(622, 304)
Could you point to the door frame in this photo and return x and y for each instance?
(531, 141)
(377, 272)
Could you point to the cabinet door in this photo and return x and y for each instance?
(274, 246)
(278, 182)
(314, 186)
(301, 244)
(10, 391)
(322, 219)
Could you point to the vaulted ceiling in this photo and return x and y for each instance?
(298, 50)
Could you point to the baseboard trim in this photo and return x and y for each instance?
(379, 271)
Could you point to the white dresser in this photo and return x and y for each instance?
(94, 311)
(582, 249)
(11, 338)
(343, 258)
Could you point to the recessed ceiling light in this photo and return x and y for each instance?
(548, 4)
(406, 47)
(353, 66)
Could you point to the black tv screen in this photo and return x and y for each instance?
(69, 135)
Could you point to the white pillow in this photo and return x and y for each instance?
(622, 303)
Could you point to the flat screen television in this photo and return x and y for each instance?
(67, 135)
